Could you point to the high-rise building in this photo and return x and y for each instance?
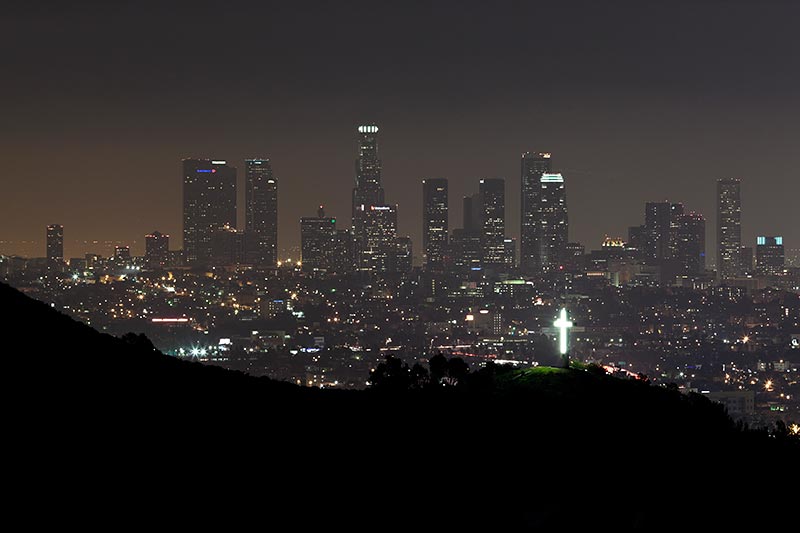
(676, 211)
(533, 166)
(729, 230)
(317, 241)
(492, 194)
(368, 190)
(209, 203)
(637, 239)
(55, 243)
(473, 213)
(658, 227)
(553, 223)
(434, 221)
(261, 211)
(510, 252)
(690, 243)
(748, 260)
(156, 249)
(380, 250)
(770, 257)
(229, 246)
(343, 256)
(122, 253)
(575, 257)
(403, 254)
(92, 260)
(466, 249)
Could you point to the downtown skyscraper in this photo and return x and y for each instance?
(492, 212)
(379, 253)
(317, 241)
(690, 243)
(261, 212)
(209, 204)
(533, 166)
(770, 256)
(55, 243)
(156, 249)
(658, 228)
(434, 221)
(368, 190)
(553, 223)
(544, 224)
(729, 228)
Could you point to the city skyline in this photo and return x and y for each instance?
(645, 117)
(243, 206)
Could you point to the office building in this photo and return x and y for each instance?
(122, 253)
(658, 225)
(690, 243)
(343, 257)
(368, 190)
(492, 212)
(434, 222)
(534, 165)
(637, 239)
(209, 203)
(748, 259)
(261, 211)
(55, 243)
(553, 223)
(466, 249)
(403, 254)
(156, 250)
(729, 230)
(676, 211)
(575, 257)
(770, 257)
(317, 240)
(510, 252)
(379, 252)
(229, 247)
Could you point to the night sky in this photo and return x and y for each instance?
(638, 101)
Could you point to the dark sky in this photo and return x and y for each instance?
(637, 101)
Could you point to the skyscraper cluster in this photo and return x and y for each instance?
(670, 242)
(210, 235)
(372, 244)
(544, 224)
(481, 242)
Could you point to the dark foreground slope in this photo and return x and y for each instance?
(110, 432)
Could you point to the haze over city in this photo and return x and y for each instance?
(637, 102)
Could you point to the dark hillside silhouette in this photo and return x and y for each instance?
(111, 425)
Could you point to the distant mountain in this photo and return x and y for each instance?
(101, 422)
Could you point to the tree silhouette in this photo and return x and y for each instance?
(457, 370)
(419, 376)
(392, 374)
(138, 342)
(438, 368)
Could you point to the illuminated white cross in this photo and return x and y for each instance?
(563, 326)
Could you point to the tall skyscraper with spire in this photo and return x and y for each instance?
(534, 164)
(368, 190)
(261, 211)
(729, 228)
